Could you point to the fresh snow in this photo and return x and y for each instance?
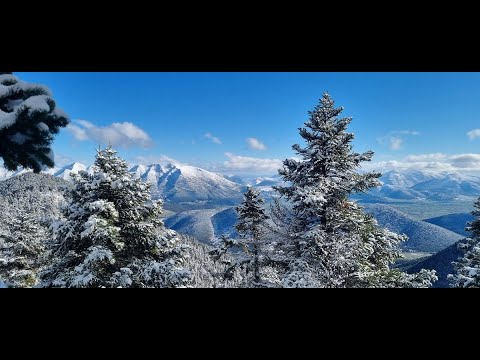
(34, 103)
(7, 119)
(37, 103)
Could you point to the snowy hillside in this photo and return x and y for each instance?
(453, 222)
(204, 225)
(74, 168)
(441, 262)
(196, 223)
(423, 237)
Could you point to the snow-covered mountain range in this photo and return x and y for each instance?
(187, 187)
(422, 185)
(182, 187)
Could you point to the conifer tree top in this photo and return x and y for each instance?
(29, 119)
(327, 161)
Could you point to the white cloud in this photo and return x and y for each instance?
(256, 144)
(124, 134)
(405, 132)
(465, 161)
(473, 134)
(426, 157)
(77, 132)
(430, 162)
(395, 139)
(212, 138)
(252, 165)
(395, 143)
(84, 123)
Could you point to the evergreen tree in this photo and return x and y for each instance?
(467, 269)
(229, 264)
(206, 270)
(250, 227)
(22, 249)
(330, 242)
(113, 235)
(29, 119)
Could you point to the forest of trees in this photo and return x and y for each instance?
(103, 229)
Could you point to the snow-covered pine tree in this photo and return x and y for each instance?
(29, 119)
(113, 235)
(22, 249)
(251, 229)
(330, 242)
(467, 269)
(228, 267)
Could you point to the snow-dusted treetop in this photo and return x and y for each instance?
(29, 119)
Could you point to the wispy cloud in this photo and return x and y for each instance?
(212, 138)
(426, 157)
(395, 143)
(395, 139)
(125, 135)
(255, 144)
(252, 165)
(473, 134)
(405, 132)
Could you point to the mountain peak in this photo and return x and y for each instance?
(73, 168)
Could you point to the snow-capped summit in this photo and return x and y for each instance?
(188, 184)
(406, 178)
(457, 184)
(74, 168)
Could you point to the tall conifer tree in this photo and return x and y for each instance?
(467, 269)
(113, 235)
(331, 242)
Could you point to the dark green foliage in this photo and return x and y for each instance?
(29, 119)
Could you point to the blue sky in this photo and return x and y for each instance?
(416, 120)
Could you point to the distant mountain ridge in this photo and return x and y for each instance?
(187, 187)
(453, 222)
(441, 262)
(422, 185)
(422, 236)
(182, 187)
